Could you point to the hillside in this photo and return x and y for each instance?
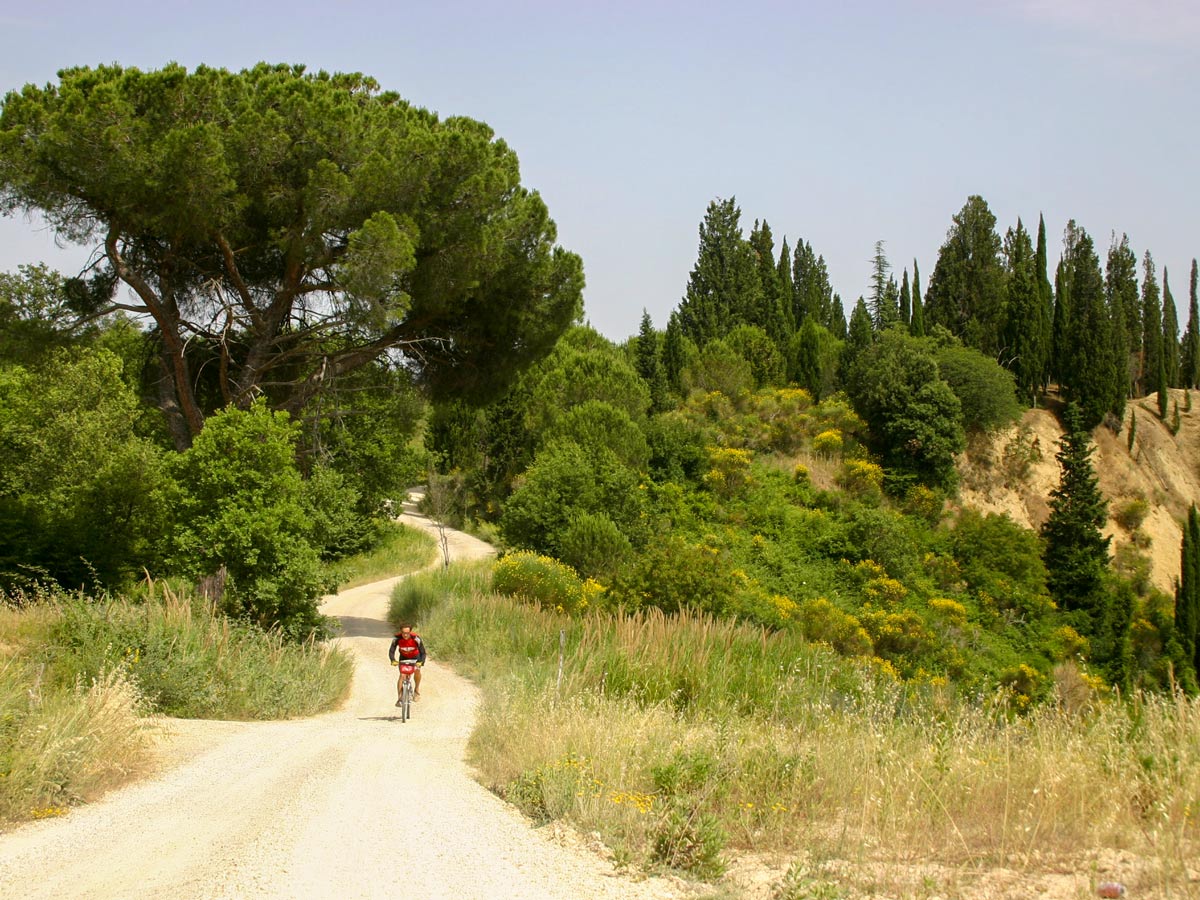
(1016, 470)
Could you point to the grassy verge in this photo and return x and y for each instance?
(76, 675)
(680, 740)
(401, 550)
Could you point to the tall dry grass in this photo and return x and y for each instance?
(60, 746)
(189, 661)
(772, 745)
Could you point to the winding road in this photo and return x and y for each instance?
(350, 804)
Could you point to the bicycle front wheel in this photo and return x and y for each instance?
(406, 700)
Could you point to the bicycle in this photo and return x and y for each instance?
(406, 689)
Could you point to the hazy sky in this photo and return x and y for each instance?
(842, 126)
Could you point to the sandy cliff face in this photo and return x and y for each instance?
(1015, 471)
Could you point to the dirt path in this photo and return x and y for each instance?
(352, 804)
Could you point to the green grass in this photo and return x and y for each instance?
(681, 739)
(401, 550)
(191, 662)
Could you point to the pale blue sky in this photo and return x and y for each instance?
(868, 121)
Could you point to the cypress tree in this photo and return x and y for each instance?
(916, 325)
(1076, 552)
(811, 291)
(768, 314)
(1060, 343)
(807, 362)
(673, 355)
(1088, 373)
(1046, 292)
(1152, 331)
(837, 318)
(648, 362)
(905, 299)
(1024, 353)
(966, 290)
(1170, 318)
(1120, 283)
(1187, 601)
(787, 290)
(723, 290)
(859, 336)
(1189, 363)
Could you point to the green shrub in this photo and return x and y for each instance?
(545, 582)
(690, 837)
(594, 545)
(240, 520)
(822, 622)
(566, 480)
(1132, 513)
(828, 443)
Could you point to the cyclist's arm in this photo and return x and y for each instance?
(421, 656)
(392, 650)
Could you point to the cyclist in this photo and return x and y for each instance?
(407, 646)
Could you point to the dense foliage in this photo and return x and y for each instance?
(281, 229)
(335, 290)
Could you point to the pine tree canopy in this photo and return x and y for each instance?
(290, 227)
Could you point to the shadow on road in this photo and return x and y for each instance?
(357, 626)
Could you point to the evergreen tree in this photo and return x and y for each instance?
(1076, 552)
(1024, 353)
(837, 318)
(1089, 369)
(882, 304)
(1187, 601)
(859, 336)
(787, 290)
(1170, 317)
(814, 356)
(905, 299)
(1120, 284)
(812, 294)
(769, 314)
(1060, 343)
(723, 290)
(1046, 291)
(674, 358)
(1189, 363)
(1152, 331)
(966, 291)
(916, 325)
(648, 362)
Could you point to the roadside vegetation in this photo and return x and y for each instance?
(684, 740)
(400, 549)
(81, 675)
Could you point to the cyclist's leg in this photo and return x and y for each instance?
(417, 684)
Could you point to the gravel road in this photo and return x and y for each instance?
(351, 804)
